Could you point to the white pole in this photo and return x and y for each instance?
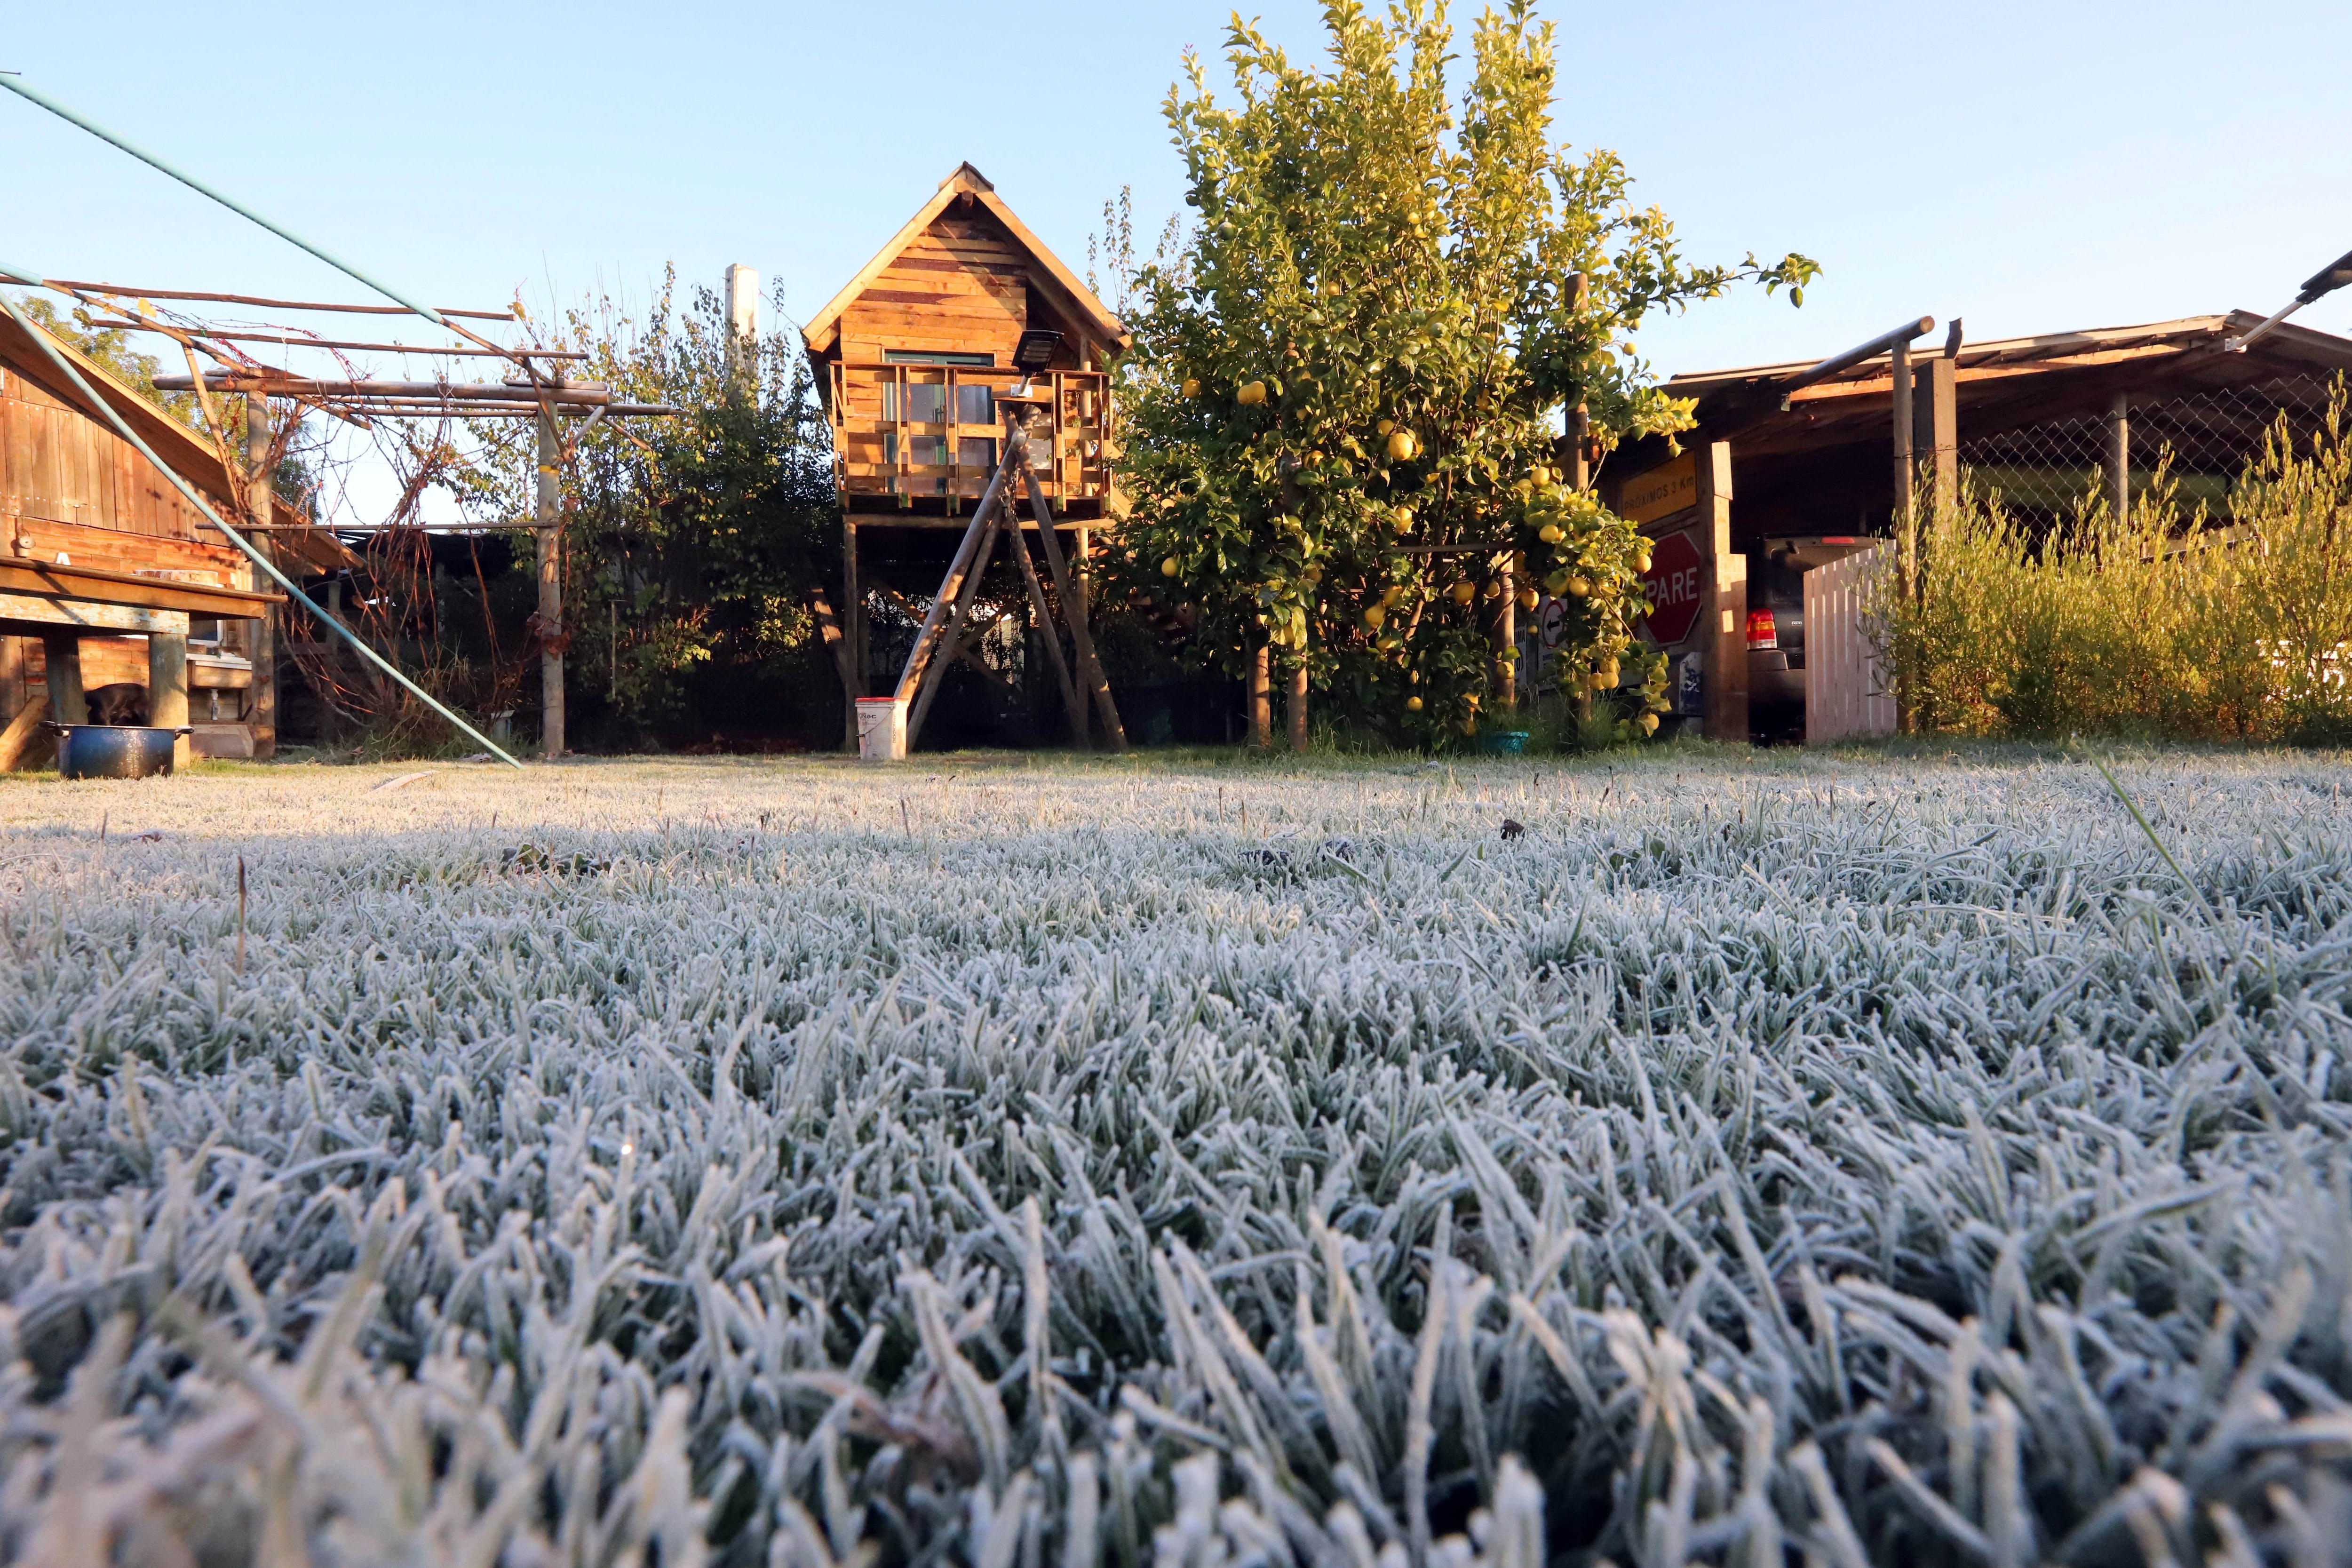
(742, 312)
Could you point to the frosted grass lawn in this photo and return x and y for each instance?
(1006, 1163)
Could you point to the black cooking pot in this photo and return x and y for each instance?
(113, 751)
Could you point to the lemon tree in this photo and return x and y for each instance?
(1341, 408)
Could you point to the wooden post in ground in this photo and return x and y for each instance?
(550, 587)
(2120, 490)
(1295, 707)
(853, 631)
(261, 634)
(1261, 697)
(1901, 355)
(62, 651)
(1723, 602)
(167, 689)
(1935, 429)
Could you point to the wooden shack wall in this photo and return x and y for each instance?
(963, 287)
(59, 465)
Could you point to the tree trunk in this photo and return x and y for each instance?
(1298, 706)
(1261, 698)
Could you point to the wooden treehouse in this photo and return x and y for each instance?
(109, 582)
(963, 339)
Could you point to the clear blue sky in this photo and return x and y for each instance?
(2032, 166)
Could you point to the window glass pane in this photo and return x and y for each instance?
(975, 404)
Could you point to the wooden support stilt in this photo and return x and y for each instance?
(1074, 609)
(62, 650)
(167, 689)
(1072, 703)
(853, 608)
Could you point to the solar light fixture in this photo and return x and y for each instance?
(2320, 284)
(1035, 350)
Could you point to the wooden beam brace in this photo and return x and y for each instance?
(1072, 704)
(19, 737)
(927, 638)
(953, 645)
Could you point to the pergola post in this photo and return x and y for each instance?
(2120, 490)
(261, 638)
(550, 588)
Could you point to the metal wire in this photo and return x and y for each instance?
(2203, 442)
(23, 90)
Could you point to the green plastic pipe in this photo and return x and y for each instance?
(18, 85)
(123, 428)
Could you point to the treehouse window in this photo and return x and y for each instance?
(926, 402)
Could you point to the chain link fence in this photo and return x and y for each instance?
(2203, 442)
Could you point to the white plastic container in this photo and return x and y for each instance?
(881, 730)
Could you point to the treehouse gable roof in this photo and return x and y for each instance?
(969, 191)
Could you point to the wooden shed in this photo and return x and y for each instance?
(963, 308)
(108, 578)
(1790, 470)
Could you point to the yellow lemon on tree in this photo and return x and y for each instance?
(1465, 592)
(1540, 474)
(1169, 568)
(1385, 425)
(1412, 704)
(1642, 562)
(1374, 615)
(1649, 723)
(1402, 447)
(1550, 533)
(1313, 574)
(1403, 518)
(1251, 394)
(1391, 597)
(1578, 587)
(1529, 598)
(1191, 386)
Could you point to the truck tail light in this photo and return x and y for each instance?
(1763, 637)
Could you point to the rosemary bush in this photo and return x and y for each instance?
(2153, 625)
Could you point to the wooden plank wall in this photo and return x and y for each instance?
(1847, 693)
(58, 466)
(963, 287)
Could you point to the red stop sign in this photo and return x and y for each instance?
(1673, 581)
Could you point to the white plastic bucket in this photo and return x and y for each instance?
(881, 730)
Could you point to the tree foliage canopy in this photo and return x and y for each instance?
(1343, 403)
(700, 536)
